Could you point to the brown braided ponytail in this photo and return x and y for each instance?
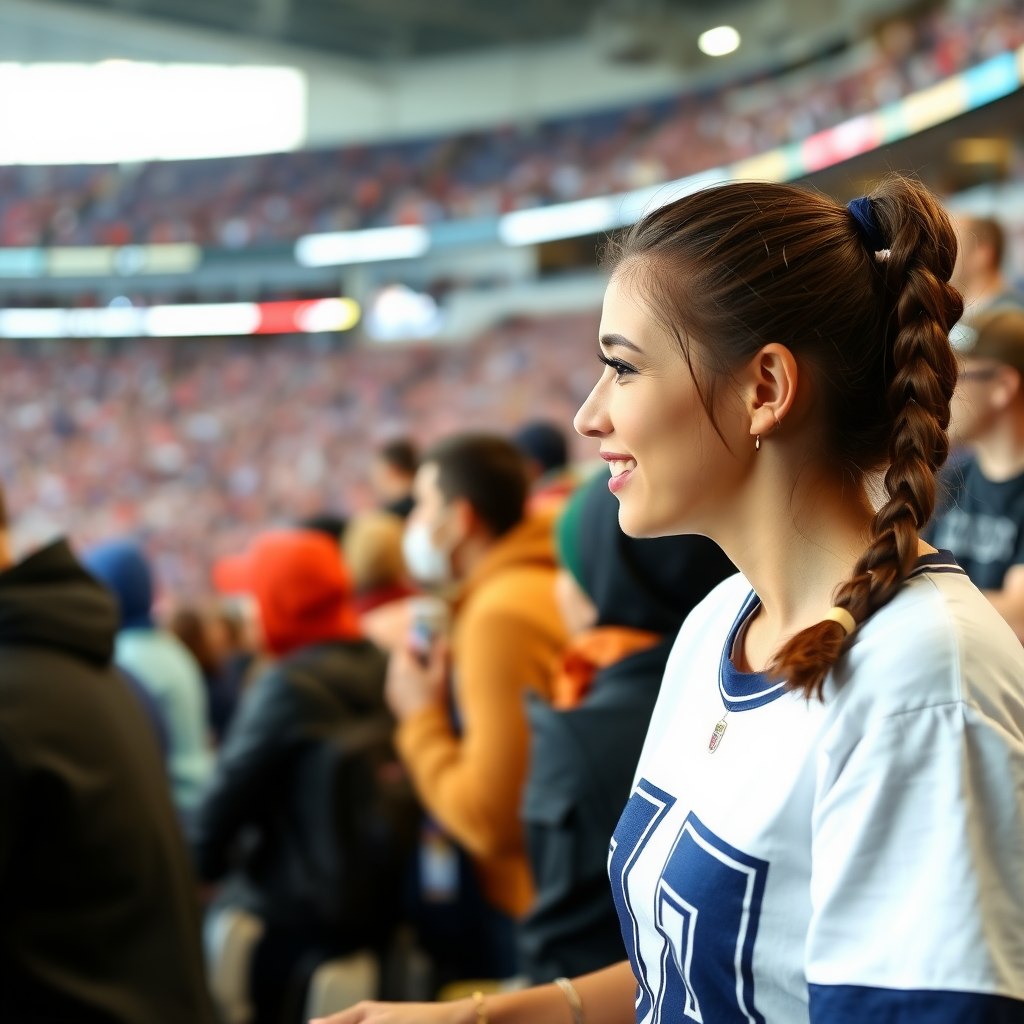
(769, 263)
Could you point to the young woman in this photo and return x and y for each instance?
(827, 823)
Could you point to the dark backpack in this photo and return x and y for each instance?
(356, 824)
(344, 825)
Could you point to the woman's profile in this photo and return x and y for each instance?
(827, 822)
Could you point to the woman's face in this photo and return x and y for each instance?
(670, 470)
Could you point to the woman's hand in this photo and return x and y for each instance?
(609, 997)
(462, 1011)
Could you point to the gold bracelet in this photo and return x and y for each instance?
(573, 997)
(481, 1007)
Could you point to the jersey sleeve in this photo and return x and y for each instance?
(917, 884)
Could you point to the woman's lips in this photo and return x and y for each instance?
(621, 468)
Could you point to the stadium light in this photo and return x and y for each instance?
(121, 111)
(222, 318)
(717, 42)
(563, 220)
(400, 314)
(183, 321)
(335, 248)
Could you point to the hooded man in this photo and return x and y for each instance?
(98, 913)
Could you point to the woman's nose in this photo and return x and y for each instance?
(592, 420)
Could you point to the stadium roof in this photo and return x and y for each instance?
(374, 29)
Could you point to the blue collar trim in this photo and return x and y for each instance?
(742, 691)
(940, 561)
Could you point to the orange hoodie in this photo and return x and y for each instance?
(508, 637)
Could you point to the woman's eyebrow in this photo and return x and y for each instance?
(610, 340)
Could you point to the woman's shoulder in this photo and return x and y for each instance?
(939, 641)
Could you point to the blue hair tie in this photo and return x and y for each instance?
(867, 227)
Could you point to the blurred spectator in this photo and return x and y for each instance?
(391, 475)
(544, 448)
(268, 820)
(373, 550)
(467, 527)
(207, 633)
(980, 518)
(99, 919)
(161, 663)
(236, 621)
(191, 626)
(623, 600)
(980, 268)
(546, 453)
(327, 523)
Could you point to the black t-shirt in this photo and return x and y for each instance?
(980, 522)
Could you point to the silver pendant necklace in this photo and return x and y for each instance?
(716, 736)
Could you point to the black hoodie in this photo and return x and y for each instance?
(582, 760)
(98, 915)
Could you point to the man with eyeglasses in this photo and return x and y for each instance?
(980, 517)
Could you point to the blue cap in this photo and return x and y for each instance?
(122, 567)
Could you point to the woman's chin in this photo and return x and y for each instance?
(633, 519)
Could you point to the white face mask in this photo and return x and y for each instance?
(426, 562)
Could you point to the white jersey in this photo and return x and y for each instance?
(860, 860)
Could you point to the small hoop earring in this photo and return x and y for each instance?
(757, 443)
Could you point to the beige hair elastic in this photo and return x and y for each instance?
(843, 617)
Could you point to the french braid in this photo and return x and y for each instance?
(743, 265)
(923, 376)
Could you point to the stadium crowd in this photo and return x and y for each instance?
(194, 447)
(240, 202)
(327, 673)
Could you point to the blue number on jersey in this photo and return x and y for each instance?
(708, 902)
(645, 809)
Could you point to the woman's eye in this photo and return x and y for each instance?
(621, 369)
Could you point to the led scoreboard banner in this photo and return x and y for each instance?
(183, 321)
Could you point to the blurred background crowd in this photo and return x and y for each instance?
(193, 447)
(235, 203)
(279, 541)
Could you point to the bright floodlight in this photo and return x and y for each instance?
(119, 111)
(335, 248)
(717, 42)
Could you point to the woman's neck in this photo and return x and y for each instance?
(796, 538)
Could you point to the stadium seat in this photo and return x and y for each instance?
(230, 937)
(341, 983)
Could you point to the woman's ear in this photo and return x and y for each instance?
(769, 384)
